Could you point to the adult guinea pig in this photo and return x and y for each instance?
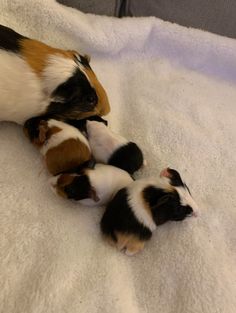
(110, 148)
(135, 211)
(63, 146)
(36, 79)
(91, 186)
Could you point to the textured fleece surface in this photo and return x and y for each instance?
(172, 90)
(217, 16)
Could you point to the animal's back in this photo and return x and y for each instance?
(20, 87)
(69, 155)
(107, 180)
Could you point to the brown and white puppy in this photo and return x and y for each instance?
(110, 148)
(135, 211)
(63, 146)
(36, 79)
(91, 186)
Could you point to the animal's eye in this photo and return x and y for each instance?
(92, 99)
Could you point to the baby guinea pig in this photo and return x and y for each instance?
(135, 211)
(63, 146)
(92, 186)
(110, 148)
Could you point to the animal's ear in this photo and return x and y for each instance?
(31, 128)
(64, 180)
(87, 57)
(94, 195)
(43, 131)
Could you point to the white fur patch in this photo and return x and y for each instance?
(137, 204)
(67, 132)
(58, 70)
(186, 198)
(107, 180)
(21, 95)
(103, 141)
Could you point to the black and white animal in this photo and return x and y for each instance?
(91, 187)
(63, 146)
(136, 211)
(36, 79)
(110, 148)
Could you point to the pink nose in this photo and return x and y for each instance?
(165, 173)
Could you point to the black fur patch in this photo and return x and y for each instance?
(79, 189)
(32, 126)
(119, 217)
(9, 39)
(152, 195)
(81, 124)
(128, 157)
(165, 206)
(74, 95)
(97, 118)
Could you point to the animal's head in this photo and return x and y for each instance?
(67, 79)
(96, 128)
(73, 186)
(174, 202)
(78, 94)
(39, 131)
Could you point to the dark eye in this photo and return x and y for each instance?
(91, 99)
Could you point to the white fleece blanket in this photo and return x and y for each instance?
(172, 90)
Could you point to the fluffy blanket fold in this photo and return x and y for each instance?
(172, 90)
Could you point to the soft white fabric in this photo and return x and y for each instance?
(172, 90)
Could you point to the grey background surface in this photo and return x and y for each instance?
(217, 16)
(101, 7)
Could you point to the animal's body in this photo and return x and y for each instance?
(136, 210)
(63, 146)
(92, 186)
(111, 148)
(36, 79)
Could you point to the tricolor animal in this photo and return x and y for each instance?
(36, 79)
(91, 186)
(63, 146)
(135, 211)
(110, 148)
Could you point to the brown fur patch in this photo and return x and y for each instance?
(53, 130)
(69, 154)
(44, 133)
(131, 243)
(63, 180)
(36, 54)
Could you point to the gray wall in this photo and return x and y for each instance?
(217, 16)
